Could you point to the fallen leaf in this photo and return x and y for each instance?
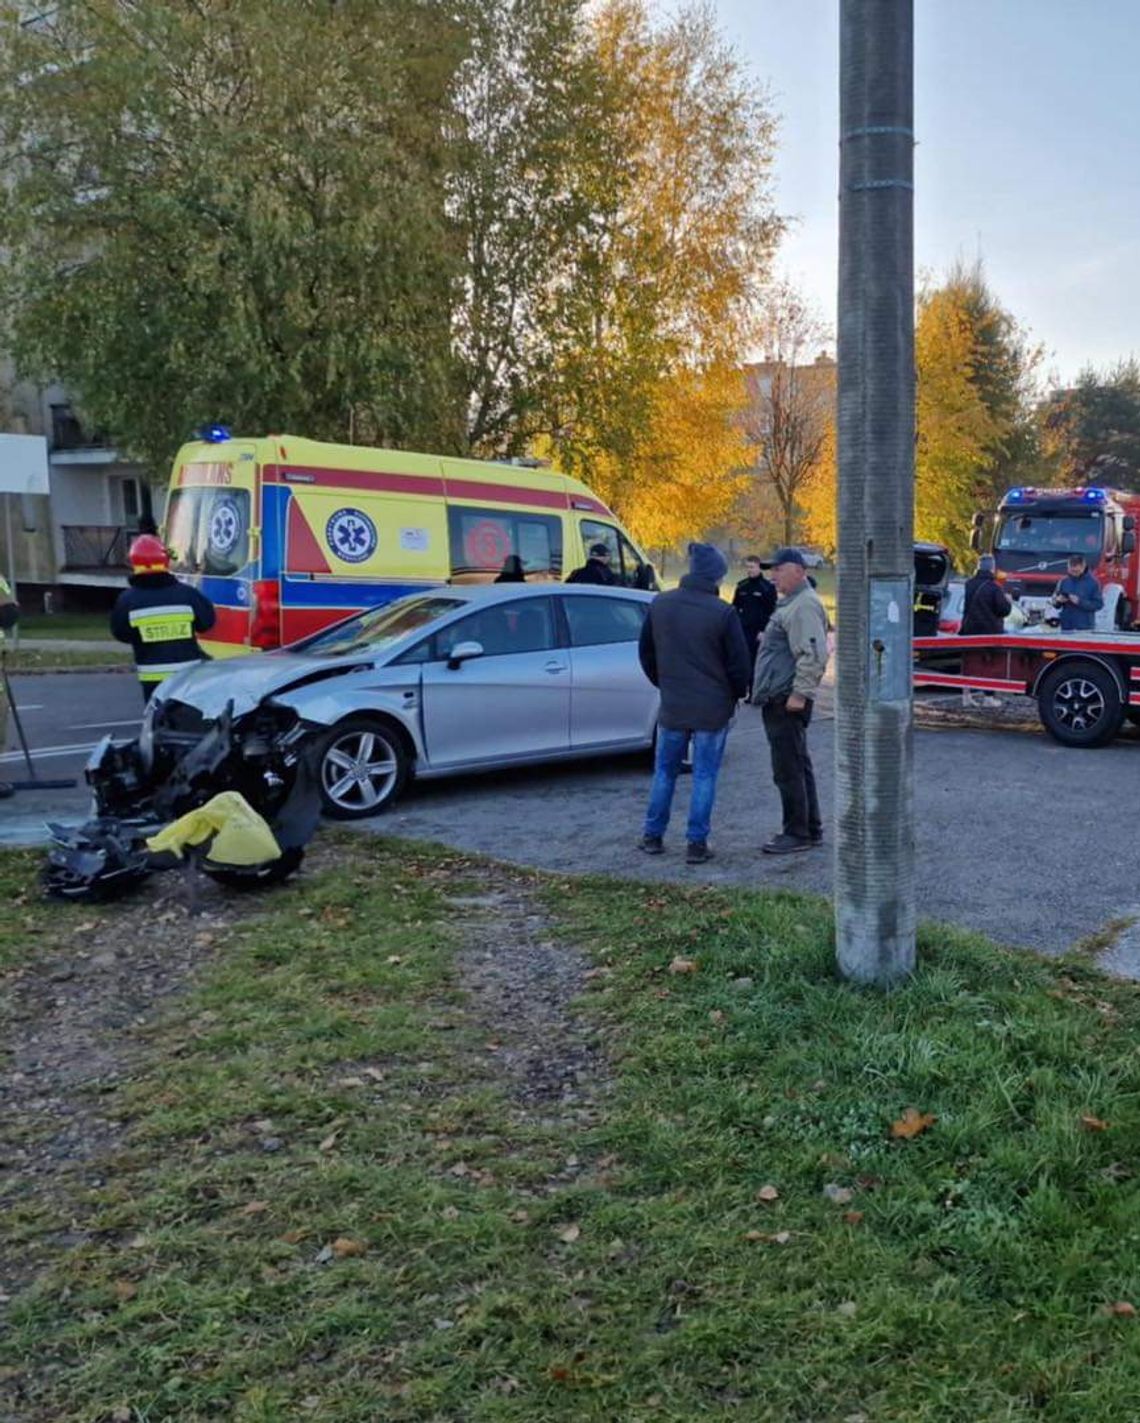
(460, 1168)
(837, 1195)
(293, 1237)
(912, 1123)
(444, 1323)
(683, 965)
(350, 1082)
(1094, 1124)
(569, 1233)
(853, 1217)
(520, 1217)
(767, 1193)
(779, 1237)
(1121, 1308)
(330, 1140)
(374, 1073)
(121, 1414)
(393, 959)
(255, 1208)
(450, 1213)
(716, 1016)
(125, 1290)
(848, 1309)
(343, 1246)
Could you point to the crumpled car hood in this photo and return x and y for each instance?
(245, 681)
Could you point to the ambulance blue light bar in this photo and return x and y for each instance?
(1019, 496)
(214, 434)
(1094, 496)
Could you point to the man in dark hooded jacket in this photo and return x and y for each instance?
(693, 649)
(986, 605)
(159, 616)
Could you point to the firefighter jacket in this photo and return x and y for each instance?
(158, 617)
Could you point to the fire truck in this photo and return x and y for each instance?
(1036, 531)
(1086, 684)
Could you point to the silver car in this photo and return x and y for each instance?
(444, 681)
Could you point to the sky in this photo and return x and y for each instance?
(1028, 155)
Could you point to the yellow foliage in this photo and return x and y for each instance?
(818, 499)
(955, 430)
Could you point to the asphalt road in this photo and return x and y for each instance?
(1016, 836)
(64, 715)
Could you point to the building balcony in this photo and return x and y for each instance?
(96, 548)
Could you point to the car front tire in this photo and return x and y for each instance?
(362, 766)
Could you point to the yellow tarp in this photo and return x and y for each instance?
(240, 835)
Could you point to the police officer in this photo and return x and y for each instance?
(755, 602)
(159, 616)
(596, 569)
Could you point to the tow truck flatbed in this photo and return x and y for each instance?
(1086, 684)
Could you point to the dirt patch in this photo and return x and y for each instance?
(522, 986)
(73, 1025)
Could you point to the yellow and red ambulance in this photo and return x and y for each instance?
(287, 535)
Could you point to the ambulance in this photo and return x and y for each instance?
(288, 535)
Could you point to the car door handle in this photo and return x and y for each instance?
(552, 667)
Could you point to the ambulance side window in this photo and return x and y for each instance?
(482, 540)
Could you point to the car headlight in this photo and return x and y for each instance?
(146, 734)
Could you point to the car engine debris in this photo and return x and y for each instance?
(262, 763)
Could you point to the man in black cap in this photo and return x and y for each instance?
(755, 602)
(596, 569)
(789, 669)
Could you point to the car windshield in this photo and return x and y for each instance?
(1050, 535)
(377, 628)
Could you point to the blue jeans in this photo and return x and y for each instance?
(708, 748)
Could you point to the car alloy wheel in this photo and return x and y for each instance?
(362, 767)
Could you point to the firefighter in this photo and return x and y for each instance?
(159, 616)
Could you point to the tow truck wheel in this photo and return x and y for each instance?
(1080, 704)
(362, 766)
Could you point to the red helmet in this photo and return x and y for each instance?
(149, 555)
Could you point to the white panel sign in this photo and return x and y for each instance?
(415, 540)
(23, 464)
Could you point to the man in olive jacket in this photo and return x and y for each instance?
(693, 649)
(789, 669)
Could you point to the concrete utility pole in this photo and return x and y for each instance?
(874, 881)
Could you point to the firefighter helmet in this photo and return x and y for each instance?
(149, 555)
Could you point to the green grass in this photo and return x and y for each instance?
(965, 1279)
(88, 626)
(25, 659)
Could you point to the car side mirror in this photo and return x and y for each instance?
(1127, 542)
(9, 616)
(976, 539)
(463, 652)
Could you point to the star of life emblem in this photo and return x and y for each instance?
(351, 535)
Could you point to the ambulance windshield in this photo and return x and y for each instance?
(207, 531)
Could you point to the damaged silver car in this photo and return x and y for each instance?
(449, 680)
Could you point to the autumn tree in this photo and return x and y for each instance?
(1004, 370)
(956, 430)
(201, 226)
(527, 99)
(657, 299)
(789, 413)
(1092, 430)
